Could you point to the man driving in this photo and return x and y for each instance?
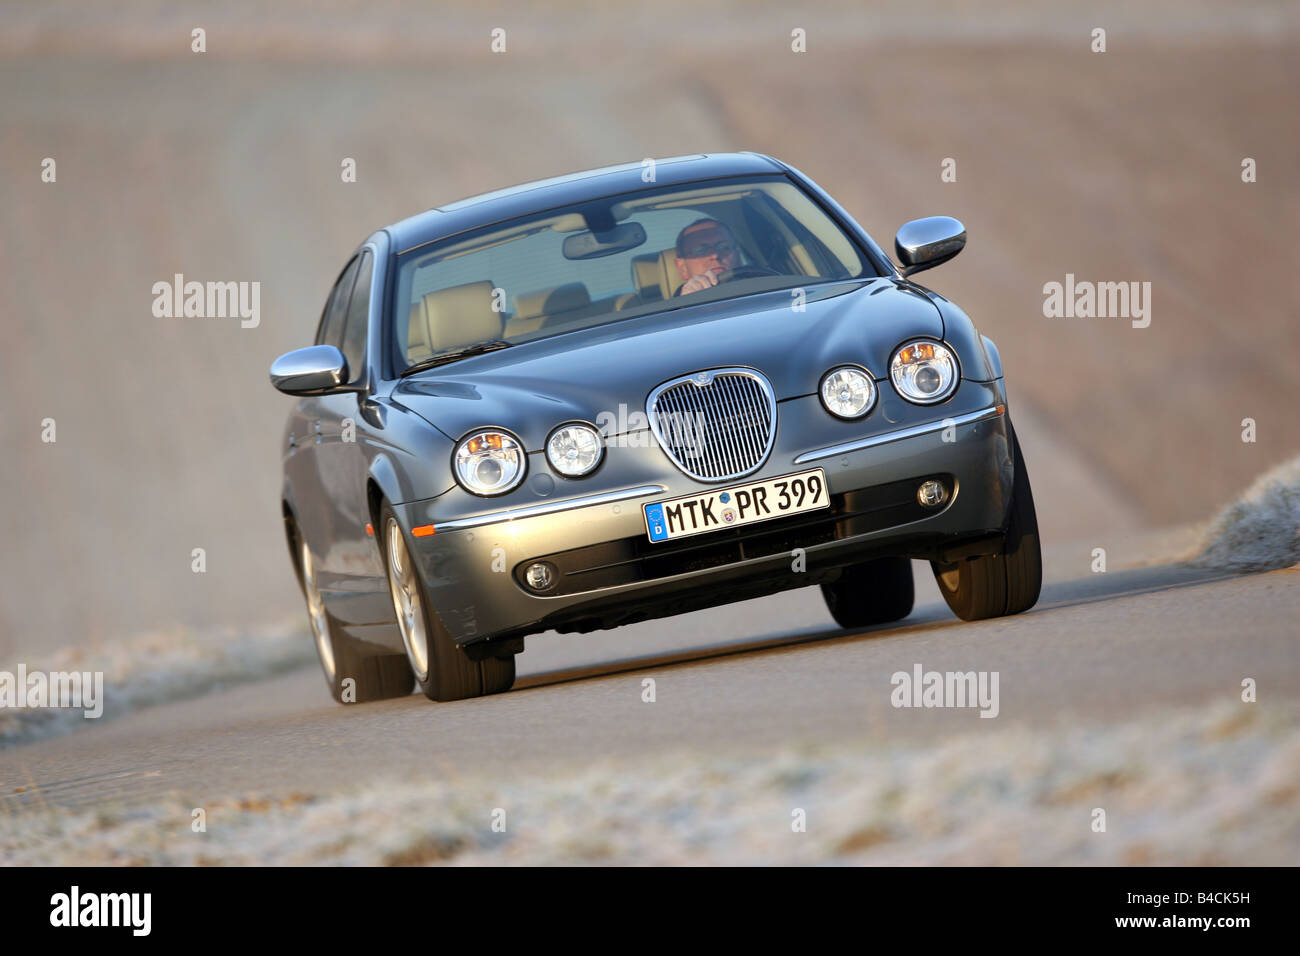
(705, 249)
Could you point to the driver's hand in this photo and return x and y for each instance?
(705, 280)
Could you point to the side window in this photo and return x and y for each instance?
(358, 313)
(331, 322)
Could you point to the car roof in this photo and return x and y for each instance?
(521, 200)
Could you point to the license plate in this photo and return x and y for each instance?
(740, 505)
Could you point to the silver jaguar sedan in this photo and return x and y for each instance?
(629, 393)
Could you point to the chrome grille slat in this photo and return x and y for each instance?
(680, 410)
(711, 398)
(714, 465)
(717, 431)
(705, 404)
(742, 403)
(742, 448)
(753, 448)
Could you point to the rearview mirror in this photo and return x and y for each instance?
(593, 245)
(925, 243)
(311, 371)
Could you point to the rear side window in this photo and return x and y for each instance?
(358, 318)
(331, 323)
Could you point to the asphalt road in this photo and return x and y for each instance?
(746, 679)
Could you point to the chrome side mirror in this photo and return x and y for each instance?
(311, 371)
(925, 243)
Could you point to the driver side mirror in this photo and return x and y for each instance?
(925, 243)
(314, 370)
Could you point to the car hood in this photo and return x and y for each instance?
(532, 387)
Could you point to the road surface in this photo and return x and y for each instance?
(751, 678)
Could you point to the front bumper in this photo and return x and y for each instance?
(610, 574)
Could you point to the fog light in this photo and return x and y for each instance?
(931, 494)
(540, 576)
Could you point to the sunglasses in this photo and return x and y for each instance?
(722, 248)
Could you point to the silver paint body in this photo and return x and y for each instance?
(405, 430)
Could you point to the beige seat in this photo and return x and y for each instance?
(453, 318)
(655, 275)
(535, 309)
(645, 277)
(417, 336)
(669, 280)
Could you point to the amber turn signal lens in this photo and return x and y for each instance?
(481, 443)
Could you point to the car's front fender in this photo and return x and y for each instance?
(409, 459)
(962, 336)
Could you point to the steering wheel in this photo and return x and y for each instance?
(745, 272)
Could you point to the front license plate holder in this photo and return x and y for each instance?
(736, 506)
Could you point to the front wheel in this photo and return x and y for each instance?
(351, 675)
(442, 670)
(995, 585)
(873, 592)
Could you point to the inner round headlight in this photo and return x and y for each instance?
(490, 462)
(574, 450)
(848, 392)
(924, 372)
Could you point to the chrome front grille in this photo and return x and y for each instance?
(715, 425)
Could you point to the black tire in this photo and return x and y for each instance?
(355, 672)
(376, 675)
(451, 675)
(874, 592)
(996, 585)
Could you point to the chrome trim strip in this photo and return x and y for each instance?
(532, 511)
(916, 430)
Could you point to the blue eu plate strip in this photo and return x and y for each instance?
(654, 520)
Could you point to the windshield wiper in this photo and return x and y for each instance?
(478, 348)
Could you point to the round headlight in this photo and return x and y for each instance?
(848, 392)
(574, 450)
(924, 372)
(490, 462)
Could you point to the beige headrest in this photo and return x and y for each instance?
(459, 316)
(571, 295)
(669, 280)
(417, 339)
(645, 276)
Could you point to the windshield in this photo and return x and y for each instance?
(614, 258)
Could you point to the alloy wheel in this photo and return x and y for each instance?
(320, 625)
(404, 586)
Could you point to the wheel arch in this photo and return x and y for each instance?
(291, 534)
(382, 484)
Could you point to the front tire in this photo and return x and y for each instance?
(996, 585)
(873, 592)
(442, 670)
(351, 675)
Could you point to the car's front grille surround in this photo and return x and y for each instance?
(715, 425)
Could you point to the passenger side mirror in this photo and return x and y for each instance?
(314, 370)
(925, 243)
